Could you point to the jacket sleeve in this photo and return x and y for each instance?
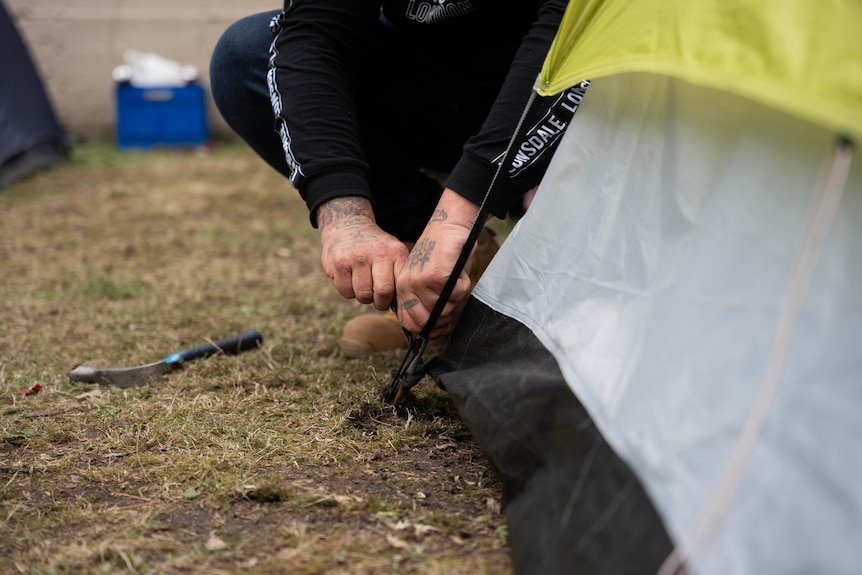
(315, 56)
(546, 123)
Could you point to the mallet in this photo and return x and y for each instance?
(144, 374)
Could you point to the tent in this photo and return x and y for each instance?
(663, 363)
(31, 138)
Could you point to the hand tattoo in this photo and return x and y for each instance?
(409, 304)
(339, 208)
(421, 254)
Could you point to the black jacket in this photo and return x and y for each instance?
(321, 45)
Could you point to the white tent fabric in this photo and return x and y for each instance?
(654, 263)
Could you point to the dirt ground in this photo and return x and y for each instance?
(280, 460)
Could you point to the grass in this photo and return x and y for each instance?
(280, 460)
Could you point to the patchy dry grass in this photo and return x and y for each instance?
(281, 460)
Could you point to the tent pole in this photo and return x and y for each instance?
(413, 367)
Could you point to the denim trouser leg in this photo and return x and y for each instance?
(238, 81)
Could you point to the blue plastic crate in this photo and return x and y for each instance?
(168, 116)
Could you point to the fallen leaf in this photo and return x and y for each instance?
(33, 389)
(421, 529)
(215, 543)
(396, 542)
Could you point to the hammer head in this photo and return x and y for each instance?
(122, 376)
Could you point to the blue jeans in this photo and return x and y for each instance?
(238, 82)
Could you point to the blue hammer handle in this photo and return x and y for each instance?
(232, 345)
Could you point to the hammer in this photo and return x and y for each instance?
(144, 374)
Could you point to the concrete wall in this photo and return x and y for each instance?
(77, 43)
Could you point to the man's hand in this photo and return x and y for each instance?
(423, 277)
(361, 259)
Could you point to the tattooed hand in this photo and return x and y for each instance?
(431, 261)
(361, 259)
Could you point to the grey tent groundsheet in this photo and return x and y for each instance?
(31, 138)
(620, 341)
(572, 505)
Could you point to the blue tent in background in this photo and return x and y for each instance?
(31, 138)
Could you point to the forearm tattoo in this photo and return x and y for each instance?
(421, 254)
(334, 210)
(439, 215)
